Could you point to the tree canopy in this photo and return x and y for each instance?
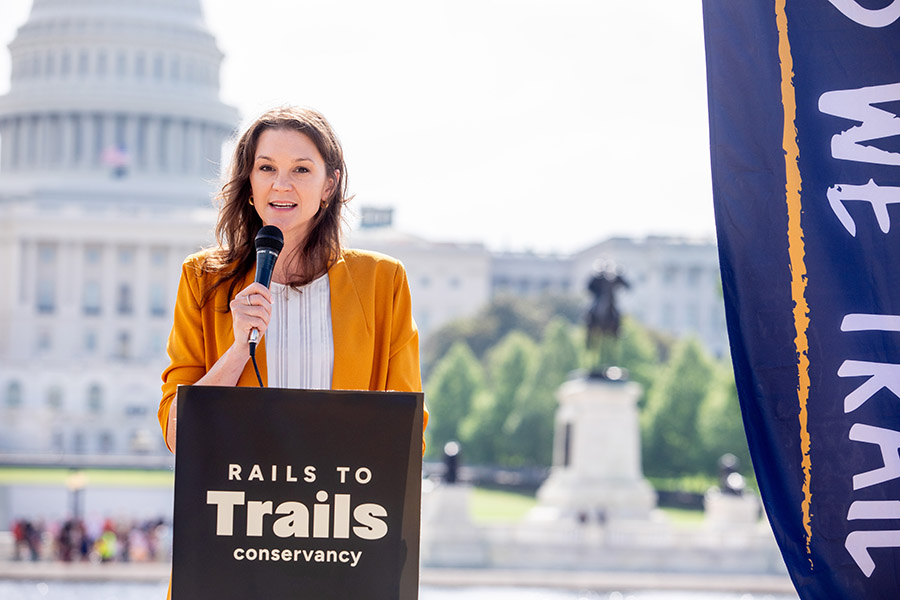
(493, 389)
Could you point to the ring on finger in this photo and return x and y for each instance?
(248, 301)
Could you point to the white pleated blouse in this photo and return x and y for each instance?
(299, 339)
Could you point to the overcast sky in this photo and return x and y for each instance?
(524, 124)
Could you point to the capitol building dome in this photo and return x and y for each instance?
(101, 85)
(111, 141)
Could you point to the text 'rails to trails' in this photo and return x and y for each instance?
(326, 520)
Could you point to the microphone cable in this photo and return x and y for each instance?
(255, 366)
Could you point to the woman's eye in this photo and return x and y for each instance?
(301, 170)
(266, 168)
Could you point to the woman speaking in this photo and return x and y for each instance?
(333, 319)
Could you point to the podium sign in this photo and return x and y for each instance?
(296, 494)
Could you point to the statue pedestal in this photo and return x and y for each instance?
(597, 473)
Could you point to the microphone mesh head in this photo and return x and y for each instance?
(269, 237)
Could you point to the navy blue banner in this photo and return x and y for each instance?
(805, 145)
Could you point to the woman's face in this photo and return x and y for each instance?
(289, 181)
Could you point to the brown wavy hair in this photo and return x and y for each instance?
(239, 223)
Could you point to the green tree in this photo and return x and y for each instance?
(495, 321)
(641, 352)
(508, 365)
(457, 379)
(669, 421)
(720, 423)
(529, 427)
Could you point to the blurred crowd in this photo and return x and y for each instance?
(105, 540)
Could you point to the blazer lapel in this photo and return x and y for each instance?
(353, 331)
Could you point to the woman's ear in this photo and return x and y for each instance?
(332, 184)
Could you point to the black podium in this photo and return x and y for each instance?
(297, 494)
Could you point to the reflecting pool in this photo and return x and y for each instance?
(64, 590)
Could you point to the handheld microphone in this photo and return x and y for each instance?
(269, 242)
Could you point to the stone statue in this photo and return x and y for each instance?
(604, 319)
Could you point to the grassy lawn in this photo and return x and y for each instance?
(495, 506)
(98, 477)
(681, 517)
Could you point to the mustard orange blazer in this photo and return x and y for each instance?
(376, 343)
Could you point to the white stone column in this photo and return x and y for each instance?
(32, 144)
(88, 135)
(49, 141)
(176, 146)
(109, 133)
(35, 139)
(219, 134)
(139, 152)
(67, 141)
(186, 164)
(151, 144)
(23, 136)
(131, 141)
(194, 148)
(164, 151)
(210, 153)
(86, 160)
(53, 140)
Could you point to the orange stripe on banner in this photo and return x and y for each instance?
(797, 255)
